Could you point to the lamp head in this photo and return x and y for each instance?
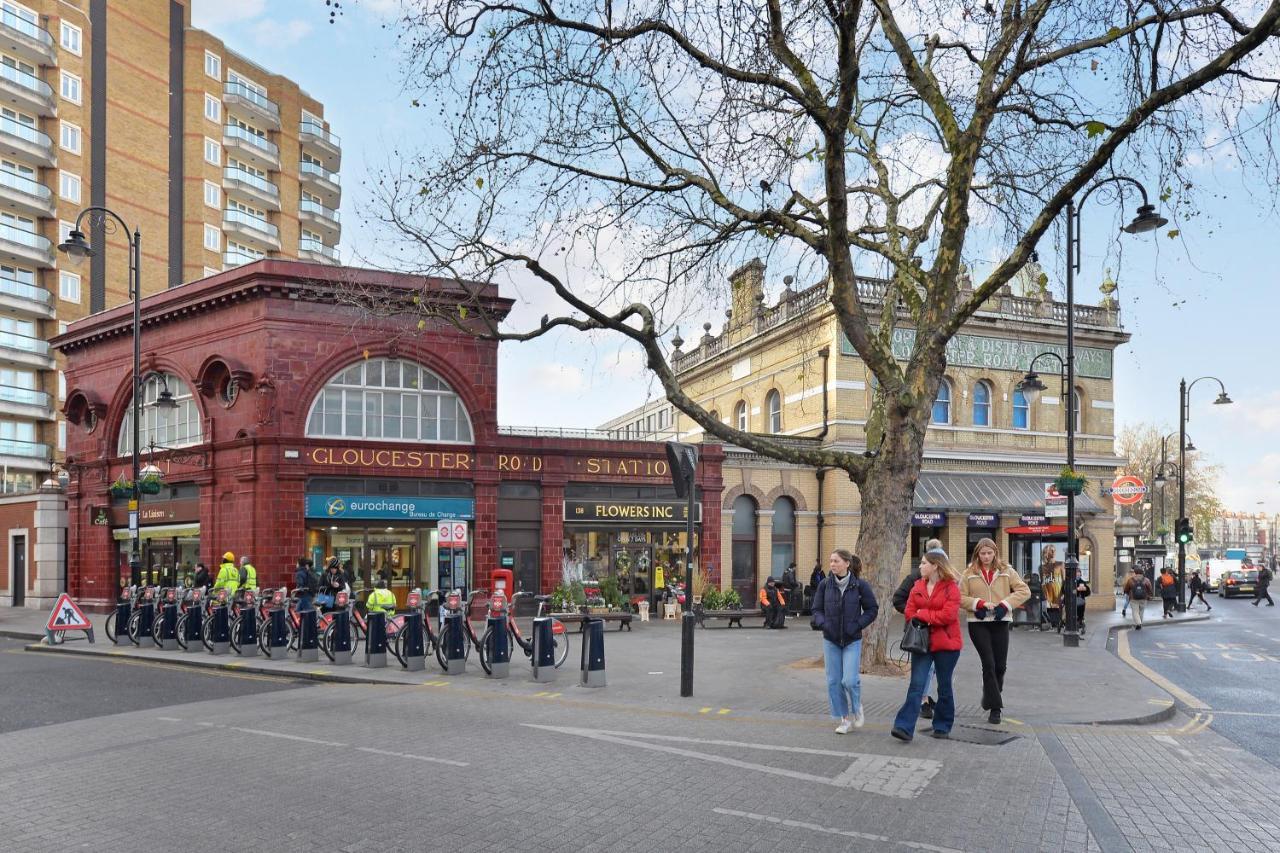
(1190, 446)
(1223, 400)
(1031, 386)
(1160, 480)
(1146, 220)
(165, 400)
(76, 247)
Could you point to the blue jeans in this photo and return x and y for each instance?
(304, 601)
(944, 715)
(844, 684)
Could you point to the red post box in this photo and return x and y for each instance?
(503, 582)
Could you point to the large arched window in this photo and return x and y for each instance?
(1021, 410)
(176, 426)
(942, 404)
(784, 535)
(743, 554)
(773, 405)
(389, 400)
(982, 404)
(740, 416)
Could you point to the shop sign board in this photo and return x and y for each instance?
(928, 519)
(984, 519)
(386, 508)
(633, 512)
(998, 353)
(1031, 520)
(1055, 505)
(451, 534)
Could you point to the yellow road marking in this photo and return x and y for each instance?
(723, 711)
(1122, 650)
(704, 710)
(1015, 722)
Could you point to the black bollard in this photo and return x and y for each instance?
(415, 652)
(219, 631)
(593, 653)
(124, 610)
(192, 626)
(375, 645)
(277, 632)
(168, 627)
(340, 646)
(454, 639)
(499, 651)
(146, 619)
(308, 637)
(248, 639)
(544, 650)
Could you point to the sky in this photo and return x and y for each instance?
(1205, 303)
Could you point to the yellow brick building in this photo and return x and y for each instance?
(213, 159)
(786, 370)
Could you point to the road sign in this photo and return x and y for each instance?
(1055, 505)
(444, 534)
(1128, 489)
(67, 616)
(459, 534)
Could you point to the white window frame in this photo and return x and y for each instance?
(62, 385)
(208, 271)
(66, 293)
(69, 186)
(65, 128)
(212, 238)
(65, 80)
(212, 108)
(212, 195)
(365, 410)
(64, 230)
(62, 434)
(73, 44)
(216, 147)
(213, 60)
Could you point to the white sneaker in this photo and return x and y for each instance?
(858, 717)
(843, 728)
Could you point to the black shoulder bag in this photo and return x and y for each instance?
(915, 638)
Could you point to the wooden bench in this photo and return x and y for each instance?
(734, 617)
(623, 619)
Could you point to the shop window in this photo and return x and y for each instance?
(784, 535)
(773, 404)
(982, 404)
(389, 400)
(942, 404)
(166, 427)
(1021, 410)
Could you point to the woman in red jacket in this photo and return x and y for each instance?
(934, 601)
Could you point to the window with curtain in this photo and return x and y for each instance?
(982, 404)
(179, 427)
(773, 404)
(784, 536)
(1021, 410)
(389, 400)
(942, 404)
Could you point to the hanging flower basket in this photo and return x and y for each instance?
(121, 490)
(150, 486)
(1069, 485)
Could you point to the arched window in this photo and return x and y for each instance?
(177, 426)
(1021, 410)
(389, 400)
(715, 416)
(740, 415)
(982, 404)
(1078, 409)
(942, 404)
(744, 548)
(784, 535)
(773, 404)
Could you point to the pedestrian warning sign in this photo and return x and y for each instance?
(67, 616)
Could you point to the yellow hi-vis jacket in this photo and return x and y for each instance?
(381, 601)
(250, 576)
(228, 578)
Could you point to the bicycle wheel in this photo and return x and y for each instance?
(156, 625)
(396, 647)
(135, 620)
(110, 627)
(206, 634)
(560, 641)
(235, 634)
(325, 642)
(180, 630)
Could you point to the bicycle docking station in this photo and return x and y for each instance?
(277, 633)
(544, 651)
(248, 639)
(193, 626)
(146, 618)
(168, 639)
(592, 674)
(309, 636)
(375, 644)
(415, 653)
(454, 639)
(341, 649)
(124, 610)
(499, 650)
(219, 631)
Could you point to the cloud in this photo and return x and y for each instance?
(209, 14)
(271, 33)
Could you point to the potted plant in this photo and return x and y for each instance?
(122, 488)
(731, 600)
(1069, 482)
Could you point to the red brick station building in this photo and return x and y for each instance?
(307, 426)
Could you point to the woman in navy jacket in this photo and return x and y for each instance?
(842, 607)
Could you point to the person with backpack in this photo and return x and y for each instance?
(1260, 589)
(1168, 593)
(304, 584)
(1138, 588)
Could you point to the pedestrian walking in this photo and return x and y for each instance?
(201, 581)
(843, 606)
(900, 596)
(1197, 587)
(1260, 589)
(1082, 593)
(1138, 588)
(1168, 593)
(990, 590)
(934, 601)
(304, 584)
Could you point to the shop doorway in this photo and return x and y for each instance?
(632, 565)
(744, 549)
(19, 563)
(392, 556)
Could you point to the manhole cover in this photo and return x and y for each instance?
(981, 736)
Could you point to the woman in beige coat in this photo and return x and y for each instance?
(990, 591)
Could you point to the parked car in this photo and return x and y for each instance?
(1237, 582)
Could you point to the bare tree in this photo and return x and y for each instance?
(623, 155)
(1142, 445)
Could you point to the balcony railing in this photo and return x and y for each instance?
(316, 129)
(26, 291)
(252, 96)
(12, 340)
(25, 396)
(18, 447)
(318, 209)
(24, 131)
(233, 174)
(27, 81)
(26, 238)
(27, 28)
(239, 259)
(308, 245)
(231, 214)
(22, 183)
(319, 171)
(235, 131)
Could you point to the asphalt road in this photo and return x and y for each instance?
(44, 689)
(1231, 663)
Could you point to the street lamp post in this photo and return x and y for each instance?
(1158, 481)
(1184, 406)
(1146, 220)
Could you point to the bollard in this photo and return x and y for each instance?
(453, 638)
(499, 651)
(248, 639)
(146, 619)
(169, 627)
(375, 645)
(415, 652)
(277, 633)
(219, 631)
(308, 638)
(192, 626)
(341, 648)
(592, 653)
(544, 650)
(124, 610)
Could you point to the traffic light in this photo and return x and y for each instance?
(1184, 532)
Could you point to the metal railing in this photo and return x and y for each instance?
(26, 396)
(233, 174)
(235, 131)
(22, 183)
(319, 209)
(27, 81)
(18, 447)
(306, 244)
(24, 290)
(251, 95)
(12, 340)
(26, 238)
(308, 168)
(232, 214)
(239, 259)
(27, 28)
(316, 129)
(24, 131)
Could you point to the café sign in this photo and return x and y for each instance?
(632, 512)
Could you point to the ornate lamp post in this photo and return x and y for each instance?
(1184, 414)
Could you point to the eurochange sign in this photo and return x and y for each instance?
(386, 508)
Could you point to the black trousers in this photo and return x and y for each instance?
(1200, 595)
(991, 641)
(1262, 592)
